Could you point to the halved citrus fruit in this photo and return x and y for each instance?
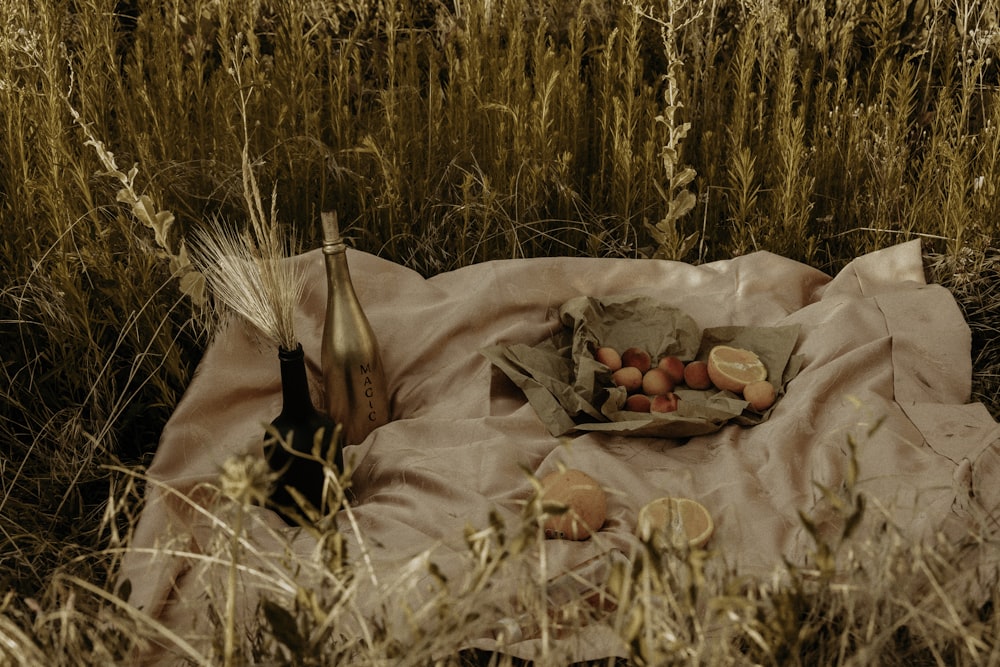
(674, 522)
(733, 368)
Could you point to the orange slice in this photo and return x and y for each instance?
(674, 522)
(733, 368)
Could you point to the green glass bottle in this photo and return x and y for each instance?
(303, 434)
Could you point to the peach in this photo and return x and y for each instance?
(609, 357)
(759, 394)
(656, 381)
(696, 375)
(628, 377)
(637, 403)
(637, 357)
(580, 504)
(664, 403)
(674, 368)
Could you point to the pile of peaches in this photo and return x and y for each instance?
(650, 383)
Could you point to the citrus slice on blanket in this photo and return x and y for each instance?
(733, 368)
(674, 522)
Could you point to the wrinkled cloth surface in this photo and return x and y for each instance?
(879, 345)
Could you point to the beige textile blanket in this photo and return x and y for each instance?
(878, 344)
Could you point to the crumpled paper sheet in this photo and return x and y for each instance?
(571, 391)
(877, 346)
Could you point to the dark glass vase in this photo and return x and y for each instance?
(303, 433)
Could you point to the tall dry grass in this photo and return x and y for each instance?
(447, 133)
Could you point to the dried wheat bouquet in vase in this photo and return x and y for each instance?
(249, 276)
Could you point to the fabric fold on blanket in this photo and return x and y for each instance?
(886, 374)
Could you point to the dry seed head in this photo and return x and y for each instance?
(252, 279)
(246, 479)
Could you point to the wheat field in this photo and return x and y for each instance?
(446, 133)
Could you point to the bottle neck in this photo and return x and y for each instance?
(334, 247)
(296, 401)
(337, 271)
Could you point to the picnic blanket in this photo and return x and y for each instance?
(885, 365)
